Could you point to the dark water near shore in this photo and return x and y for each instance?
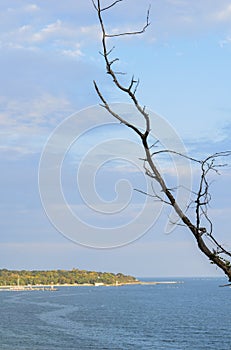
(192, 315)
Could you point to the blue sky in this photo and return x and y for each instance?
(49, 58)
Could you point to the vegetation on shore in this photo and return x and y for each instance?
(74, 276)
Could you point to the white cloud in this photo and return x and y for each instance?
(15, 150)
(40, 111)
(60, 30)
(75, 52)
(26, 123)
(25, 28)
(224, 42)
(48, 30)
(62, 37)
(54, 32)
(91, 31)
(31, 8)
(224, 14)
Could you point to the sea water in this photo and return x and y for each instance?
(194, 314)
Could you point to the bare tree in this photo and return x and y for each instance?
(200, 226)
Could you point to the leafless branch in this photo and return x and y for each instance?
(176, 153)
(226, 285)
(113, 4)
(131, 32)
(202, 196)
(155, 198)
(154, 144)
(115, 115)
(113, 74)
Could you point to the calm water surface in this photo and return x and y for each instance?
(191, 315)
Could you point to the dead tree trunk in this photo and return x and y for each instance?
(217, 255)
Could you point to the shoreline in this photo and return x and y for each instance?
(54, 287)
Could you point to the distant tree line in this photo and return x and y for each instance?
(74, 276)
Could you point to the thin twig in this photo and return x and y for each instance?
(208, 165)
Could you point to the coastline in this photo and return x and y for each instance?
(51, 287)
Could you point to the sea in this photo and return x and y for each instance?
(192, 314)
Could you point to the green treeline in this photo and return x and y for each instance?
(74, 276)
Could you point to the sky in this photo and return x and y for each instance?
(69, 170)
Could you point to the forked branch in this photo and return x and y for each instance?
(202, 197)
